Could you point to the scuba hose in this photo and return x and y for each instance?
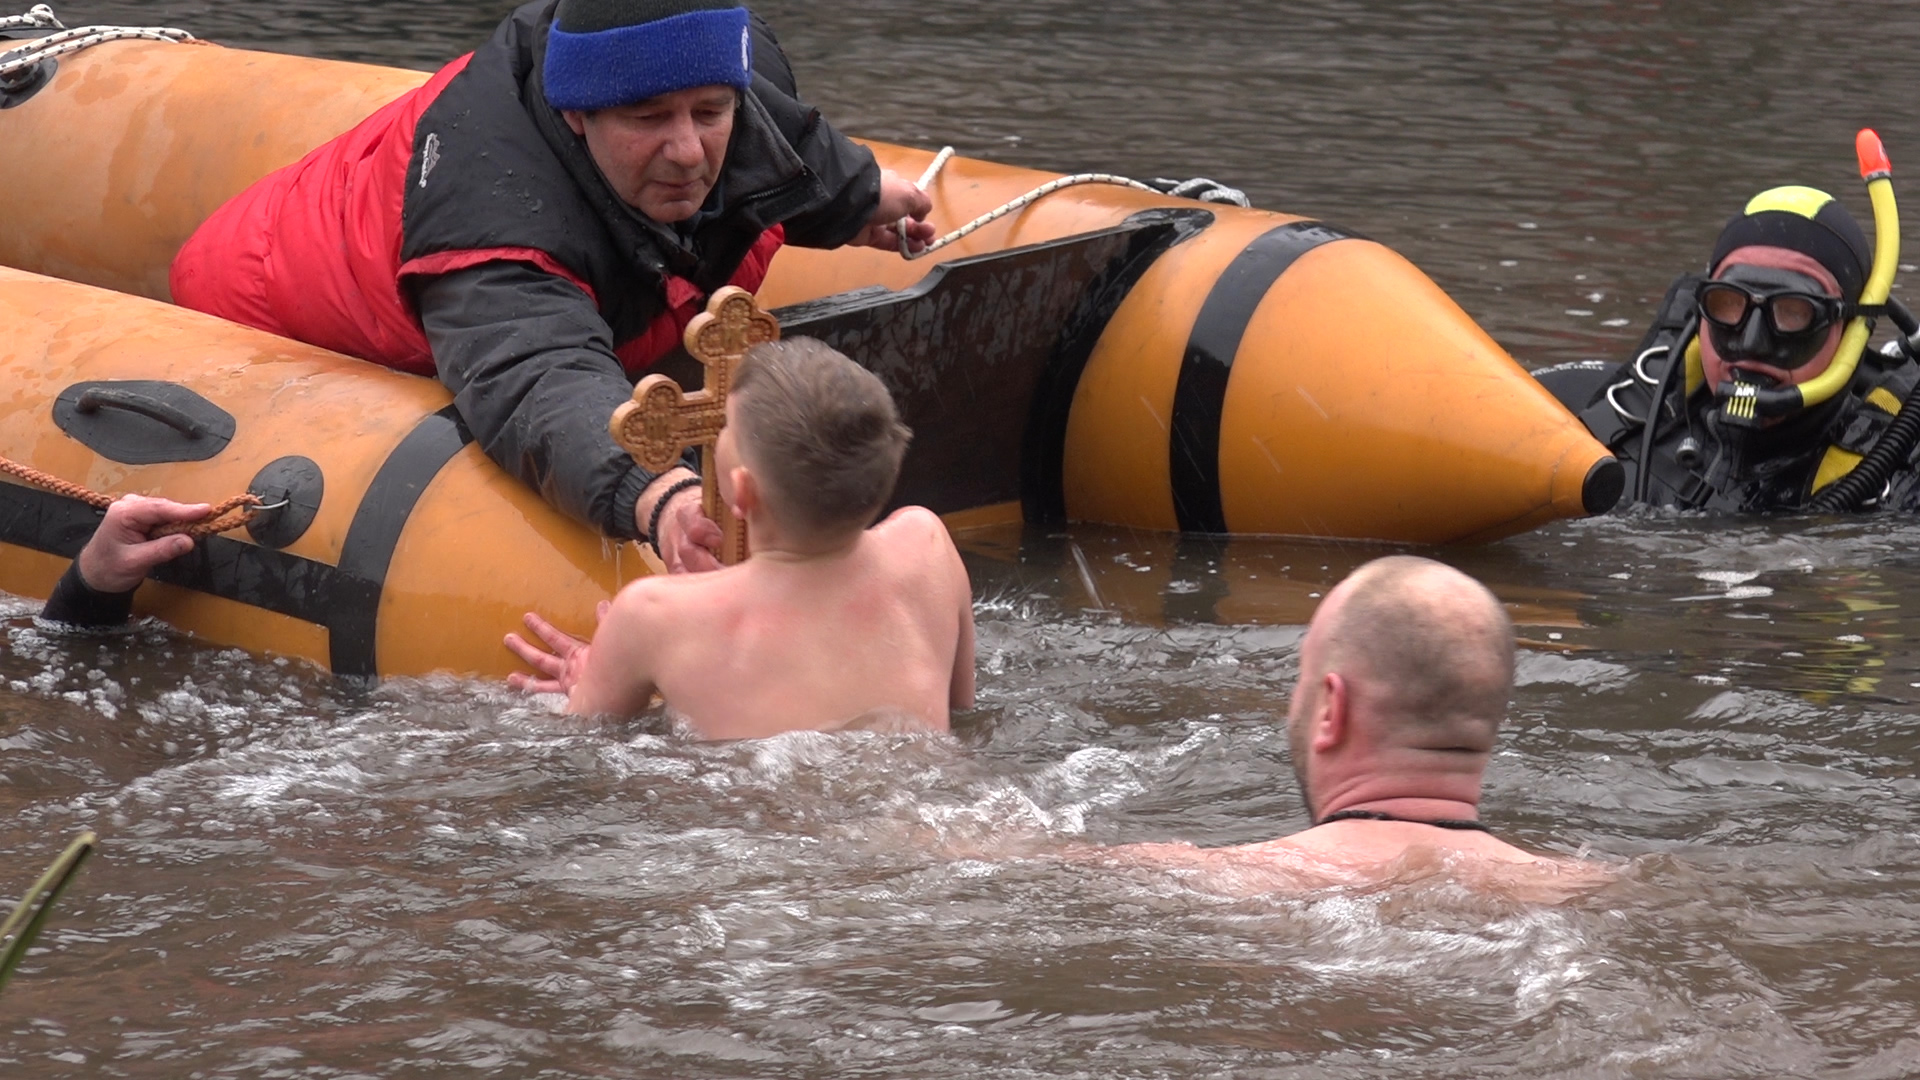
(1870, 476)
(1890, 451)
(1687, 344)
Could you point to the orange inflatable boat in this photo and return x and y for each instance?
(1104, 355)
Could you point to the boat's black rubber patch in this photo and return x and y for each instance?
(27, 82)
(143, 421)
(291, 489)
(1193, 444)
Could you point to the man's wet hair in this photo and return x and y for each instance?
(1435, 643)
(821, 432)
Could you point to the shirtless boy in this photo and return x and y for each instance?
(1405, 673)
(830, 623)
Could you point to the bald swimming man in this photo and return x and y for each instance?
(1405, 673)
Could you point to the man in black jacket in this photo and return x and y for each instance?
(565, 200)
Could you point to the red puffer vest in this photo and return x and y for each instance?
(312, 252)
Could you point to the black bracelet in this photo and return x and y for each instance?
(653, 520)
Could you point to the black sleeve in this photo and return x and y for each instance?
(77, 603)
(530, 362)
(845, 168)
(849, 171)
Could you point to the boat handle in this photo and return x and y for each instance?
(97, 398)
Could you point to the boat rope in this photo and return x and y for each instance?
(223, 517)
(25, 57)
(1198, 188)
(38, 17)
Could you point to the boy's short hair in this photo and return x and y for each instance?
(821, 431)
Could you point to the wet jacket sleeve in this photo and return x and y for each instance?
(845, 168)
(530, 362)
(76, 603)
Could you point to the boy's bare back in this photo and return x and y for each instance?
(831, 623)
(784, 644)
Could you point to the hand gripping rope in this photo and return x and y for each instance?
(224, 517)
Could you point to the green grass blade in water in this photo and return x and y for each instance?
(17, 934)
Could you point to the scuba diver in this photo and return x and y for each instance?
(1762, 393)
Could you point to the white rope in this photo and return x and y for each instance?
(1018, 204)
(38, 17)
(1190, 189)
(939, 162)
(1202, 189)
(19, 59)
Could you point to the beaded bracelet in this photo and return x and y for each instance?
(653, 520)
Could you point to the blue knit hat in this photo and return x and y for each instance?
(603, 53)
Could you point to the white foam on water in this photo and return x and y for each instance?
(1378, 936)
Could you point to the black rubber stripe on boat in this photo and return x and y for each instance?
(1193, 443)
(367, 553)
(1043, 495)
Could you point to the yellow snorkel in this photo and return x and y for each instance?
(1877, 171)
(1748, 404)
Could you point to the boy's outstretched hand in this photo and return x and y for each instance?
(556, 672)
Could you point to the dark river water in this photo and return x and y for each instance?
(440, 879)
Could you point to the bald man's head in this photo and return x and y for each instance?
(1428, 650)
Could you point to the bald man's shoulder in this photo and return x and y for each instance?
(1322, 857)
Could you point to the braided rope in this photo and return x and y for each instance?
(56, 485)
(1019, 204)
(19, 59)
(1201, 189)
(224, 517)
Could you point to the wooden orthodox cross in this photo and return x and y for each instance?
(661, 420)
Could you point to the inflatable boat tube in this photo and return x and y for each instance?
(1270, 374)
(405, 550)
(1104, 355)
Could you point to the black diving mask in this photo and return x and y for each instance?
(1793, 315)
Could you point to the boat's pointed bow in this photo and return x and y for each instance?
(1322, 385)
